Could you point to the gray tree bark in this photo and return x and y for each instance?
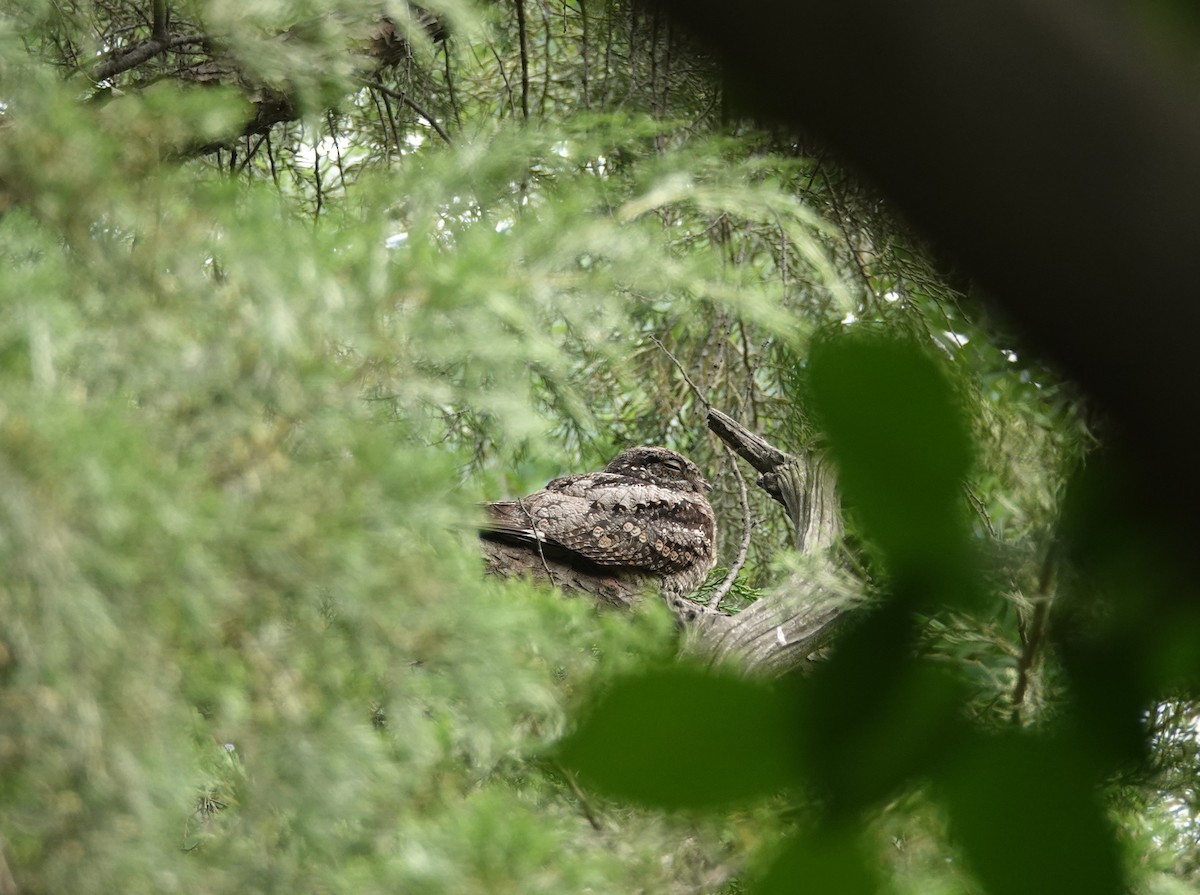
(782, 630)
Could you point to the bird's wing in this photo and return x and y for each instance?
(609, 520)
(545, 518)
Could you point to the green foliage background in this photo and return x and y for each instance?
(250, 396)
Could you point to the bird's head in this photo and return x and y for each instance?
(660, 466)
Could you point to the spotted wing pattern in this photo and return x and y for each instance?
(646, 512)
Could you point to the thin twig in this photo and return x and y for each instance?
(682, 372)
(508, 90)
(317, 183)
(331, 119)
(271, 159)
(579, 794)
(252, 151)
(980, 509)
(403, 97)
(583, 49)
(549, 44)
(537, 537)
(747, 525)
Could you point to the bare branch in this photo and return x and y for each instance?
(537, 538)
(754, 449)
(682, 372)
(747, 525)
(141, 53)
(450, 84)
(403, 97)
(588, 812)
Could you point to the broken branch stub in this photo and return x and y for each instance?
(785, 627)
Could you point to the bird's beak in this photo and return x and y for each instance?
(707, 485)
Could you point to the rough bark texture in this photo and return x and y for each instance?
(783, 629)
(803, 485)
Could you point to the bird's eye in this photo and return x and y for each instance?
(672, 464)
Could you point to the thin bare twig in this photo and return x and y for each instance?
(583, 49)
(403, 97)
(579, 794)
(508, 90)
(980, 509)
(682, 372)
(450, 83)
(317, 183)
(271, 159)
(537, 537)
(252, 152)
(546, 62)
(747, 526)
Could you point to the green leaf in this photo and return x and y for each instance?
(875, 719)
(1025, 811)
(832, 862)
(903, 449)
(653, 738)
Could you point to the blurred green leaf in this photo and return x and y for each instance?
(875, 720)
(652, 738)
(1024, 809)
(832, 860)
(903, 449)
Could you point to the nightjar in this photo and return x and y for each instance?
(643, 517)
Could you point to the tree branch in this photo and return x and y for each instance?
(586, 805)
(403, 97)
(141, 53)
(537, 537)
(161, 15)
(522, 32)
(779, 632)
(752, 448)
(803, 485)
(735, 568)
(682, 372)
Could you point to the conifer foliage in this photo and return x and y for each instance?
(289, 288)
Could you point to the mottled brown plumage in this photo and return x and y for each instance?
(643, 517)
